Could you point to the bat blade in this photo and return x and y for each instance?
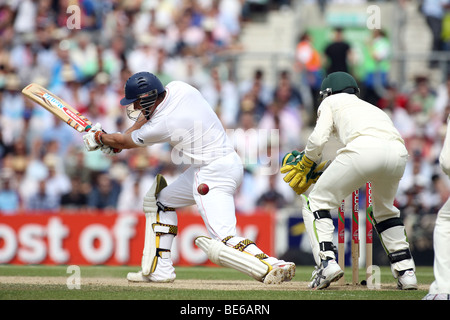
(57, 106)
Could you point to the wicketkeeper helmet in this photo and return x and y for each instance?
(338, 82)
(143, 86)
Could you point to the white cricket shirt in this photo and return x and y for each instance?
(348, 117)
(187, 122)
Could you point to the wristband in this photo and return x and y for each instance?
(98, 137)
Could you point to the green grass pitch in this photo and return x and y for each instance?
(192, 284)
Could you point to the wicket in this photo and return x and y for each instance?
(355, 247)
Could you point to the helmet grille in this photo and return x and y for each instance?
(147, 104)
(142, 83)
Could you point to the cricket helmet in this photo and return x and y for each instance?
(143, 86)
(338, 82)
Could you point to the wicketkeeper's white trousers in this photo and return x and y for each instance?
(364, 159)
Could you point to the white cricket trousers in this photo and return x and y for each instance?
(364, 159)
(441, 240)
(223, 176)
(382, 162)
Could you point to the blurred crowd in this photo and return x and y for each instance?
(43, 165)
(84, 51)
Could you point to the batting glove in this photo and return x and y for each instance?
(92, 140)
(110, 151)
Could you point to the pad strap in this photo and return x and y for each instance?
(399, 255)
(163, 253)
(261, 256)
(224, 240)
(320, 214)
(389, 223)
(161, 228)
(243, 244)
(327, 246)
(162, 207)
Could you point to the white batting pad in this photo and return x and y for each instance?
(224, 256)
(149, 258)
(149, 253)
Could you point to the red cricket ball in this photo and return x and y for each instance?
(203, 189)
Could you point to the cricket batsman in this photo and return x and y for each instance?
(179, 115)
(373, 151)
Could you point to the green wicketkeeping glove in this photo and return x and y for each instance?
(291, 166)
(312, 177)
(289, 161)
(297, 166)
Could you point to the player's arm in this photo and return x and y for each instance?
(117, 140)
(321, 133)
(112, 143)
(300, 172)
(123, 140)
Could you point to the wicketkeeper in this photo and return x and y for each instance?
(373, 151)
(179, 115)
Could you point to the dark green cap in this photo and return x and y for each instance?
(338, 82)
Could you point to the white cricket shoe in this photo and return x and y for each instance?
(328, 272)
(407, 280)
(164, 272)
(139, 277)
(437, 296)
(282, 272)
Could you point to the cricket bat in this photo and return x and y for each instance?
(57, 106)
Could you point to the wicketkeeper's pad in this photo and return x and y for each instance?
(235, 257)
(153, 228)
